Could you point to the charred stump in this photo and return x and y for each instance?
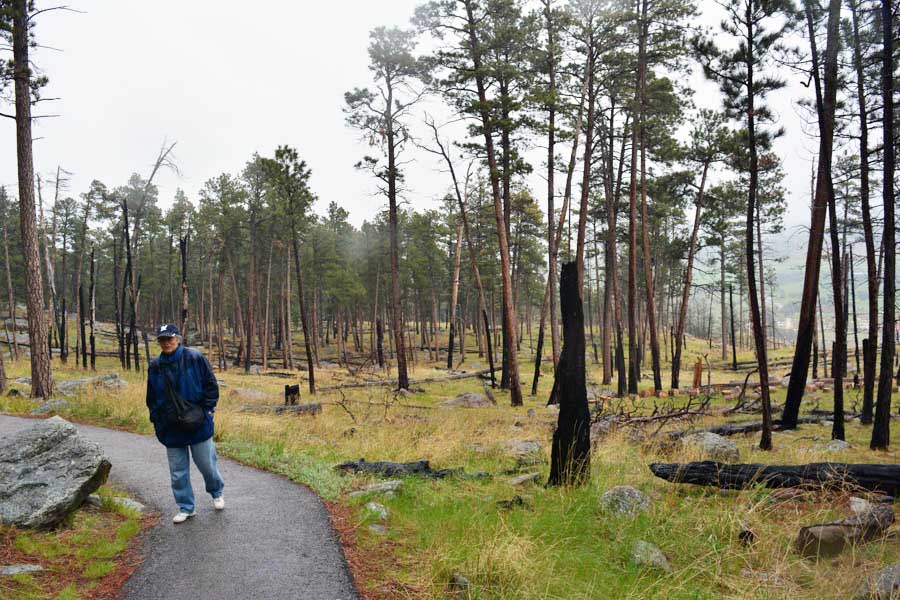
(379, 346)
(571, 455)
(292, 395)
(490, 349)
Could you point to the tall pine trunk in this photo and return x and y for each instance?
(825, 105)
(509, 315)
(870, 349)
(41, 381)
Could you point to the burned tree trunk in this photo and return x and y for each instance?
(81, 340)
(183, 248)
(490, 348)
(379, 343)
(881, 435)
(93, 302)
(571, 458)
(733, 349)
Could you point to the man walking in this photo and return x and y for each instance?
(182, 393)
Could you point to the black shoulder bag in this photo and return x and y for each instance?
(181, 415)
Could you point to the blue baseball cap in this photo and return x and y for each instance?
(167, 330)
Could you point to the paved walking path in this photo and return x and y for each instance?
(272, 541)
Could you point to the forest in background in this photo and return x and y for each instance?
(601, 88)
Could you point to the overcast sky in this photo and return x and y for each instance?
(225, 79)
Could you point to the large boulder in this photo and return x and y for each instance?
(46, 471)
(467, 400)
(712, 446)
(75, 386)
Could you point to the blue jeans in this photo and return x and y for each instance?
(204, 455)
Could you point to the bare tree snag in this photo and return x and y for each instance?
(881, 435)
(571, 455)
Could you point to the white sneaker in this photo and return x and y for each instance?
(182, 516)
(219, 503)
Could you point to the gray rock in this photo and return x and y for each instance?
(50, 406)
(129, 503)
(378, 529)
(405, 393)
(601, 429)
(769, 579)
(785, 381)
(46, 471)
(467, 400)
(523, 447)
(531, 413)
(10, 570)
(712, 446)
(836, 446)
(221, 383)
(94, 500)
(884, 586)
(75, 386)
(23, 380)
(255, 370)
(645, 554)
(379, 510)
(625, 500)
(523, 479)
(384, 487)
(15, 393)
(460, 584)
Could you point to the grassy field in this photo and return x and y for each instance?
(90, 555)
(556, 543)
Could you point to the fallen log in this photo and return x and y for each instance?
(830, 539)
(412, 382)
(296, 409)
(394, 469)
(872, 477)
(739, 428)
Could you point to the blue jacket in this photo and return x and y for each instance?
(197, 384)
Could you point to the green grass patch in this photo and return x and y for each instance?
(70, 592)
(99, 569)
(76, 554)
